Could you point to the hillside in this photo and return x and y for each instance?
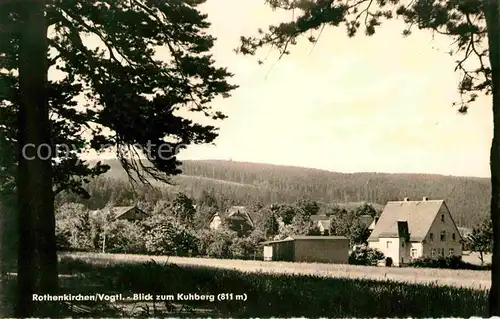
(467, 197)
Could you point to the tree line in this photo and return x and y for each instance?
(467, 197)
(179, 225)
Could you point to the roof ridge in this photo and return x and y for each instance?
(409, 201)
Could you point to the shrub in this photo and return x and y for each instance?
(124, 237)
(247, 247)
(365, 256)
(73, 227)
(217, 243)
(454, 262)
(163, 235)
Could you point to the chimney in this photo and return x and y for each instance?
(406, 199)
(425, 199)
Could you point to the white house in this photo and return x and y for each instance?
(322, 222)
(237, 218)
(412, 229)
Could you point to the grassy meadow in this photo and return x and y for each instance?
(476, 279)
(267, 294)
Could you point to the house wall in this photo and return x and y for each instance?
(317, 250)
(216, 222)
(322, 229)
(436, 243)
(283, 251)
(390, 247)
(404, 252)
(416, 250)
(268, 252)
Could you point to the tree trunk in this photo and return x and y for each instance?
(37, 260)
(492, 13)
(3, 306)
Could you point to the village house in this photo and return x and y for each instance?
(322, 222)
(237, 218)
(408, 230)
(130, 213)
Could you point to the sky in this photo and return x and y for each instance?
(363, 104)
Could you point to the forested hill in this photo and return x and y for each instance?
(467, 197)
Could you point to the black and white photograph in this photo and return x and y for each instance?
(250, 158)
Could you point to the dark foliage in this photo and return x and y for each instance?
(454, 262)
(365, 256)
(481, 239)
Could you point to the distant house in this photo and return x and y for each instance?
(130, 213)
(412, 229)
(322, 222)
(236, 217)
(323, 249)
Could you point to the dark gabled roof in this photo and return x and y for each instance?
(236, 213)
(119, 211)
(418, 216)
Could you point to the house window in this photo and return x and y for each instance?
(431, 237)
(433, 252)
(442, 218)
(443, 236)
(453, 236)
(387, 244)
(413, 252)
(402, 244)
(451, 252)
(442, 252)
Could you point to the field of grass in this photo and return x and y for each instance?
(443, 277)
(311, 290)
(267, 294)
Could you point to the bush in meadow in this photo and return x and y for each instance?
(73, 227)
(365, 256)
(217, 243)
(454, 262)
(247, 247)
(164, 235)
(124, 237)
